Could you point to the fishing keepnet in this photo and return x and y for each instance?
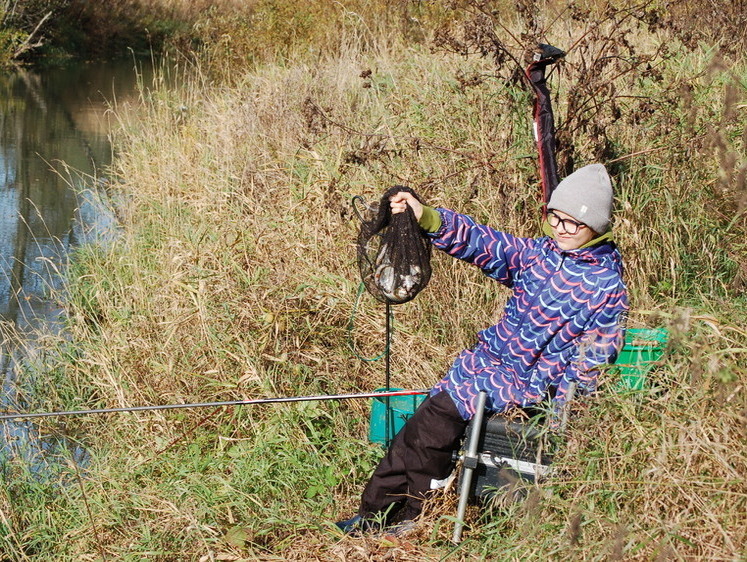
(394, 253)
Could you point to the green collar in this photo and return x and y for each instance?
(607, 236)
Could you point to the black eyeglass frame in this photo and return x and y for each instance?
(555, 221)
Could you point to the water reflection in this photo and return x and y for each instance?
(53, 140)
(54, 150)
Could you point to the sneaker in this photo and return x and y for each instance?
(357, 525)
(401, 528)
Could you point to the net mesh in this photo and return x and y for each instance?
(393, 251)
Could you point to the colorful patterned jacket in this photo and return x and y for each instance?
(564, 319)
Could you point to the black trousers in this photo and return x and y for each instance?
(422, 451)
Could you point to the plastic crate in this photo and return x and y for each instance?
(401, 409)
(643, 348)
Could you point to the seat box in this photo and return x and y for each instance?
(508, 450)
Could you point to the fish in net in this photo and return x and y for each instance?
(394, 253)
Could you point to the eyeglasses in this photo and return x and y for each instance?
(570, 226)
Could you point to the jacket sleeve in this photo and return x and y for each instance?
(497, 253)
(599, 345)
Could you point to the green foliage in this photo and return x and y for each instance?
(10, 39)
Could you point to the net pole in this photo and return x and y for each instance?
(387, 374)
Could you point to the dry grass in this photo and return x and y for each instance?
(235, 277)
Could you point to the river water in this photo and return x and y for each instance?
(54, 154)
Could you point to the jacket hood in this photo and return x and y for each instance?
(601, 250)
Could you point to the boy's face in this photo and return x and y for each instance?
(563, 225)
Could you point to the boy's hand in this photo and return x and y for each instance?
(399, 202)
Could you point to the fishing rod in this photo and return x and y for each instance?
(251, 402)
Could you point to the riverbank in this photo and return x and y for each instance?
(235, 277)
(222, 35)
(42, 33)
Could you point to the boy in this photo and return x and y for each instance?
(564, 319)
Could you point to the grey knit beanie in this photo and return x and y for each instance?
(586, 195)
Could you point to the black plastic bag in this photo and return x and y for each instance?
(393, 251)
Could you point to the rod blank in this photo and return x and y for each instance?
(252, 402)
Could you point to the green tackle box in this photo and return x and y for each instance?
(400, 409)
(643, 348)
